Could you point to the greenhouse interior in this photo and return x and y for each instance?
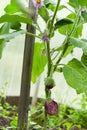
(43, 65)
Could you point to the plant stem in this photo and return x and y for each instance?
(48, 74)
(45, 121)
(48, 58)
(62, 54)
(37, 27)
(48, 43)
(50, 71)
(75, 24)
(53, 18)
(31, 34)
(66, 40)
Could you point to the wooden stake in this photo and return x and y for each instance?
(26, 73)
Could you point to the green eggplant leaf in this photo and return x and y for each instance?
(15, 18)
(50, 4)
(68, 28)
(84, 59)
(44, 13)
(12, 7)
(47, 2)
(84, 15)
(15, 26)
(62, 22)
(51, 7)
(69, 50)
(3, 30)
(77, 3)
(75, 74)
(9, 36)
(62, 7)
(39, 61)
(79, 43)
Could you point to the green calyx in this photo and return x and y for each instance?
(49, 82)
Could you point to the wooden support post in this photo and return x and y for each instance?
(26, 73)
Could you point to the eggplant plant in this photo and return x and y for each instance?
(71, 27)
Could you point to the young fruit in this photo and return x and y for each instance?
(49, 83)
(51, 108)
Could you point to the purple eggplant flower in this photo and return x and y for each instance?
(51, 108)
(45, 38)
(38, 4)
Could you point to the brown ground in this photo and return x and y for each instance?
(4, 122)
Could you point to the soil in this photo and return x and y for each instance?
(4, 122)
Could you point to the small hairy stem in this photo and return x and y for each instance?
(62, 54)
(48, 43)
(53, 18)
(55, 56)
(50, 68)
(48, 58)
(31, 34)
(45, 121)
(77, 20)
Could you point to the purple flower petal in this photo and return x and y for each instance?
(38, 3)
(45, 38)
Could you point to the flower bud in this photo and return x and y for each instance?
(45, 37)
(51, 108)
(49, 83)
